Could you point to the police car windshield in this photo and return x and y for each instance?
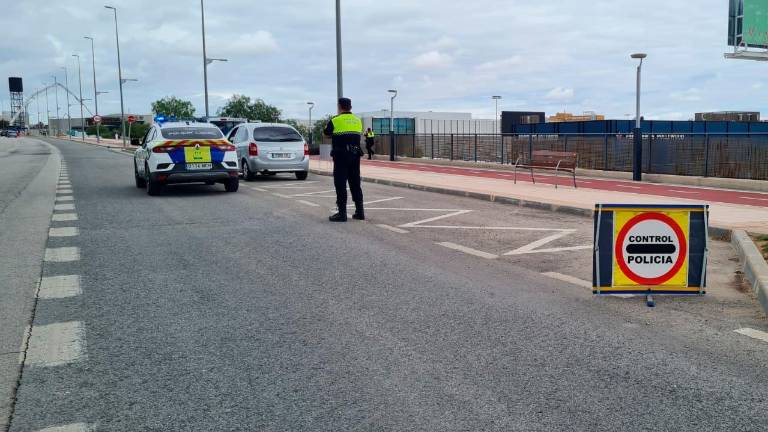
(191, 132)
(276, 134)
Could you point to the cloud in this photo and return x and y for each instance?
(500, 65)
(432, 60)
(260, 42)
(690, 95)
(559, 94)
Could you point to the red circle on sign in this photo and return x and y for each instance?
(97, 119)
(131, 119)
(619, 248)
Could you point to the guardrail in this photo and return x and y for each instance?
(741, 156)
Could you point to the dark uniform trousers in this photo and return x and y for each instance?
(369, 143)
(346, 169)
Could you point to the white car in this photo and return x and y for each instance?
(185, 152)
(269, 149)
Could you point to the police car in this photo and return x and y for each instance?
(185, 152)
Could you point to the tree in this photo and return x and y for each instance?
(303, 129)
(242, 106)
(319, 127)
(173, 106)
(4, 124)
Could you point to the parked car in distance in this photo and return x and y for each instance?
(270, 149)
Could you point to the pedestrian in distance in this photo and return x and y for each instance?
(346, 131)
(369, 135)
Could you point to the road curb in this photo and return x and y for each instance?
(717, 233)
(755, 267)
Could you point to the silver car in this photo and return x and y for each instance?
(269, 149)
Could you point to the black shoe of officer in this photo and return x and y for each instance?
(359, 213)
(338, 217)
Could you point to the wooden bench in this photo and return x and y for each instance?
(549, 160)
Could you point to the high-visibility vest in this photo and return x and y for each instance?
(347, 124)
(370, 134)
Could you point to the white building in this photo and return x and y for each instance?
(427, 122)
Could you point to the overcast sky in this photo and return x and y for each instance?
(443, 55)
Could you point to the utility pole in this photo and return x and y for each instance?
(392, 146)
(311, 129)
(339, 72)
(56, 90)
(95, 92)
(120, 77)
(69, 116)
(82, 115)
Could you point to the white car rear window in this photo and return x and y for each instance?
(191, 132)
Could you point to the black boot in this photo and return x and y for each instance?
(359, 212)
(338, 217)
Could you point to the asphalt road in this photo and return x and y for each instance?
(202, 310)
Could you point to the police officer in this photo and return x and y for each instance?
(369, 135)
(345, 131)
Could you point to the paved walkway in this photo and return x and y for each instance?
(729, 208)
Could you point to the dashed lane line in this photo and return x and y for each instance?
(63, 232)
(393, 229)
(74, 427)
(62, 254)
(754, 334)
(56, 344)
(60, 207)
(64, 217)
(467, 250)
(314, 193)
(308, 203)
(58, 287)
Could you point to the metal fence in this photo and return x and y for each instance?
(742, 156)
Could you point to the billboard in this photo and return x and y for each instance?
(748, 23)
(15, 85)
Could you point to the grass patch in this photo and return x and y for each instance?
(762, 244)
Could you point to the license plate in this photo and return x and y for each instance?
(282, 155)
(199, 166)
(197, 155)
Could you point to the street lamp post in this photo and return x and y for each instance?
(37, 101)
(95, 92)
(82, 115)
(311, 129)
(339, 72)
(392, 125)
(69, 116)
(496, 128)
(47, 110)
(56, 89)
(206, 60)
(119, 76)
(637, 162)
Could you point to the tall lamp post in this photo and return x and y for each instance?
(119, 76)
(56, 89)
(206, 60)
(80, 79)
(392, 125)
(496, 128)
(95, 92)
(69, 115)
(311, 129)
(47, 110)
(637, 161)
(339, 72)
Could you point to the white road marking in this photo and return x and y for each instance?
(754, 199)
(308, 203)
(432, 219)
(393, 229)
(313, 193)
(467, 250)
(378, 201)
(59, 207)
(628, 186)
(57, 287)
(683, 192)
(57, 344)
(64, 191)
(258, 189)
(63, 232)
(533, 247)
(74, 427)
(291, 185)
(62, 254)
(65, 198)
(754, 334)
(281, 195)
(570, 279)
(64, 217)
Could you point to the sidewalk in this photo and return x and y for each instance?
(730, 209)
